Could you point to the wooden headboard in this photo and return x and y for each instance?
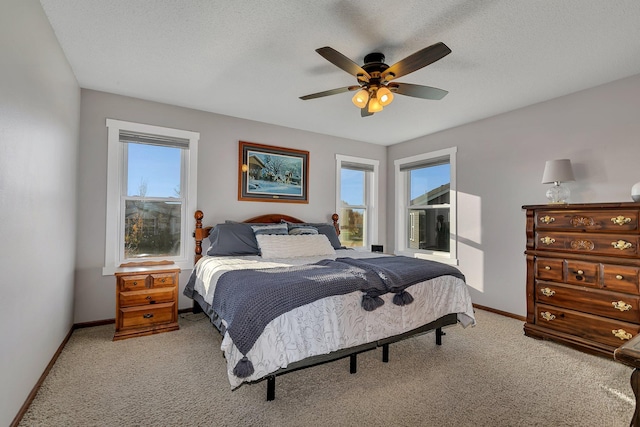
(202, 233)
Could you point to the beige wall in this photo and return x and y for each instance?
(499, 168)
(217, 180)
(39, 113)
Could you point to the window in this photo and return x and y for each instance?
(151, 189)
(425, 205)
(357, 193)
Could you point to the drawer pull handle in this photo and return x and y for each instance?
(163, 280)
(547, 240)
(619, 277)
(547, 219)
(135, 283)
(547, 292)
(621, 220)
(148, 316)
(622, 334)
(547, 316)
(621, 244)
(621, 305)
(580, 272)
(546, 267)
(148, 297)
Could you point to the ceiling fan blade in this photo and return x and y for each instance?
(364, 112)
(341, 61)
(417, 91)
(329, 92)
(414, 62)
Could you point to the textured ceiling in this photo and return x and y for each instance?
(253, 59)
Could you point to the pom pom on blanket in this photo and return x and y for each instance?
(402, 298)
(370, 303)
(244, 368)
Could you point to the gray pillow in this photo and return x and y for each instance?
(323, 228)
(233, 239)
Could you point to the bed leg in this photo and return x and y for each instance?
(385, 353)
(353, 363)
(271, 387)
(439, 335)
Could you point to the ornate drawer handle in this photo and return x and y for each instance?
(619, 277)
(580, 272)
(546, 267)
(621, 305)
(547, 219)
(621, 220)
(621, 244)
(548, 292)
(148, 297)
(163, 280)
(148, 316)
(135, 283)
(547, 240)
(622, 334)
(547, 316)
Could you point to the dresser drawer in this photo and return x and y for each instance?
(619, 245)
(147, 296)
(137, 317)
(603, 220)
(549, 269)
(587, 326)
(608, 304)
(582, 273)
(621, 278)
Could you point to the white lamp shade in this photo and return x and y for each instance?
(557, 171)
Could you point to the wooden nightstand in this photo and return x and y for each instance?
(146, 300)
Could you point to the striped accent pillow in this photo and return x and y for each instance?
(270, 229)
(303, 231)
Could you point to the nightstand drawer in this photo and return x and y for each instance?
(136, 317)
(161, 280)
(133, 282)
(586, 326)
(613, 220)
(148, 296)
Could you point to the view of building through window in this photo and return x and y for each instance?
(153, 202)
(429, 208)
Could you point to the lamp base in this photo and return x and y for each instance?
(558, 194)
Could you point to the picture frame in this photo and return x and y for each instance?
(267, 173)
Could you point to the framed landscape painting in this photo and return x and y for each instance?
(272, 174)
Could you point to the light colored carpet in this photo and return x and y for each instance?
(488, 375)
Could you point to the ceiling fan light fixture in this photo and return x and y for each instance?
(374, 105)
(360, 98)
(384, 95)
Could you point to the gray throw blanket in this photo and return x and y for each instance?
(249, 299)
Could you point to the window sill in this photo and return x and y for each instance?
(430, 257)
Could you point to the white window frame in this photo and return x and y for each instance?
(116, 168)
(371, 196)
(402, 208)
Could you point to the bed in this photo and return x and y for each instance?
(285, 295)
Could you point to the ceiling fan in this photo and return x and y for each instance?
(375, 87)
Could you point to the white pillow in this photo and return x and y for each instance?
(291, 246)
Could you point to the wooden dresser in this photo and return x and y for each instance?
(583, 268)
(146, 300)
